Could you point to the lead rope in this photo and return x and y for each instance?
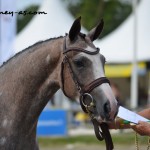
(137, 142)
(148, 147)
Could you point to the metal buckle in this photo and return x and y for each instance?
(91, 103)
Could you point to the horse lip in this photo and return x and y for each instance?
(99, 119)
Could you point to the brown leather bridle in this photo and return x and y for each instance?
(85, 91)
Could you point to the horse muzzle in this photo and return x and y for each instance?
(101, 111)
(107, 110)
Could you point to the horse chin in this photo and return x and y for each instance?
(103, 120)
(99, 119)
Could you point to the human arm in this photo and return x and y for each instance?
(119, 124)
(145, 113)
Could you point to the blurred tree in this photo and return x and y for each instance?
(23, 20)
(114, 12)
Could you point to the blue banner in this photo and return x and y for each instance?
(52, 123)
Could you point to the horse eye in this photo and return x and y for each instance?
(79, 63)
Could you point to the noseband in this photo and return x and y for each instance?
(85, 92)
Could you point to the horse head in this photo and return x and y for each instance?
(83, 75)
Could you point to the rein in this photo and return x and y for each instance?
(101, 130)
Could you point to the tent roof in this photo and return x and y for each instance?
(117, 46)
(55, 23)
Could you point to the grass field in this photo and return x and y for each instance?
(121, 141)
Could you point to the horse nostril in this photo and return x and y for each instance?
(107, 108)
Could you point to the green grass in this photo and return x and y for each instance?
(122, 139)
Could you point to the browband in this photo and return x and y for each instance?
(78, 49)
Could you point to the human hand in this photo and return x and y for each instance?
(142, 128)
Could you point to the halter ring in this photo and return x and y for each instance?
(91, 103)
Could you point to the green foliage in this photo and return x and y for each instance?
(114, 12)
(23, 20)
(122, 139)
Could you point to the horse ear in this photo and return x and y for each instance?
(75, 29)
(95, 32)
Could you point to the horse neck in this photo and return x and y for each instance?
(29, 81)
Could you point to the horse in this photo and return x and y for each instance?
(30, 78)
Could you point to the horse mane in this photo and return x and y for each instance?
(30, 47)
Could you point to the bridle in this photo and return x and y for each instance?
(84, 91)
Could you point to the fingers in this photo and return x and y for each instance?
(142, 128)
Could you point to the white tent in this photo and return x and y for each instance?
(117, 46)
(55, 23)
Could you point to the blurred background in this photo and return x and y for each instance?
(124, 42)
